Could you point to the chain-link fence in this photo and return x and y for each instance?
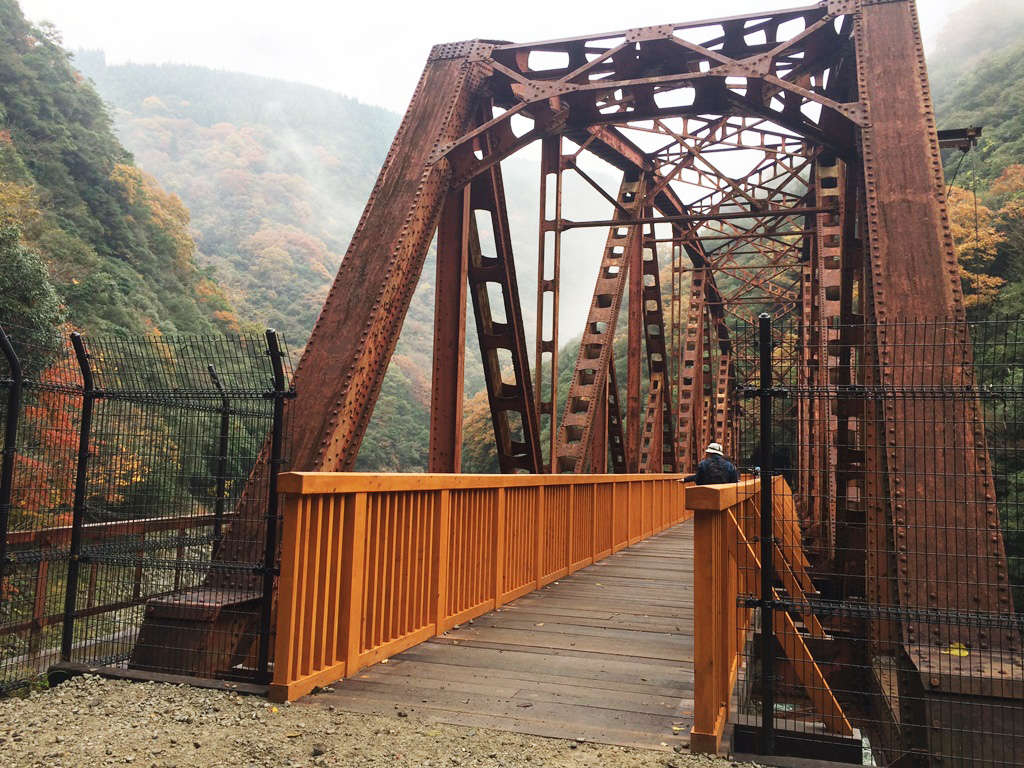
(138, 486)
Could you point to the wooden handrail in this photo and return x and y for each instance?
(726, 522)
(373, 564)
(368, 482)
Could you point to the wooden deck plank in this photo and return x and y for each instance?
(605, 654)
(668, 650)
(521, 680)
(653, 624)
(581, 665)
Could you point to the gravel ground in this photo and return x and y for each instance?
(89, 721)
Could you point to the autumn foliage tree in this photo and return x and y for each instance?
(977, 246)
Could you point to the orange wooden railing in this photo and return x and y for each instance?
(374, 564)
(726, 524)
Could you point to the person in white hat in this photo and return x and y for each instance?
(715, 469)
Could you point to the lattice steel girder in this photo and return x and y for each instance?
(652, 446)
(626, 76)
(549, 253)
(688, 418)
(653, 318)
(509, 392)
(725, 403)
(595, 353)
(634, 337)
(616, 439)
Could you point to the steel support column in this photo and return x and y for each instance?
(446, 394)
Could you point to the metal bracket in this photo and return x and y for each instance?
(659, 32)
(841, 7)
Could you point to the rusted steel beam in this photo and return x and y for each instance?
(635, 33)
(725, 403)
(499, 325)
(688, 419)
(808, 445)
(633, 426)
(707, 386)
(598, 450)
(652, 460)
(616, 440)
(653, 318)
(596, 351)
(829, 245)
(676, 319)
(701, 217)
(913, 273)
(549, 253)
(449, 334)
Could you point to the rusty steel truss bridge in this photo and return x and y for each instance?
(783, 162)
(841, 217)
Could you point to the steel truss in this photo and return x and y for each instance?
(784, 162)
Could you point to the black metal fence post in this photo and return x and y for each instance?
(279, 393)
(10, 446)
(222, 461)
(767, 540)
(89, 394)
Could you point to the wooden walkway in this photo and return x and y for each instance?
(605, 655)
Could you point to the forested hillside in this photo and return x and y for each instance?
(84, 234)
(276, 174)
(977, 74)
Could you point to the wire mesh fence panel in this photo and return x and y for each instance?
(159, 460)
(40, 402)
(896, 555)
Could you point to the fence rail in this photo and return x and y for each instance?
(374, 564)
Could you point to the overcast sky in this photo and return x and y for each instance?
(371, 50)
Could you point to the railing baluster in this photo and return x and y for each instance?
(353, 576)
(499, 545)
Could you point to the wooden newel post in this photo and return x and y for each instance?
(715, 612)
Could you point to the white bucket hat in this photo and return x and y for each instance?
(715, 448)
